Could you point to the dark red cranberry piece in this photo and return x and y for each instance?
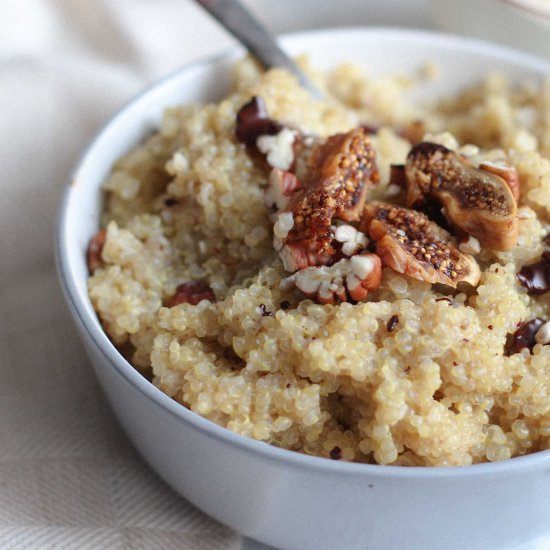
(253, 121)
(392, 323)
(264, 311)
(336, 453)
(524, 337)
(536, 277)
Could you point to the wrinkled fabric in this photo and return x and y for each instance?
(68, 476)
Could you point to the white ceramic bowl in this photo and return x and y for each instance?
(276, 496)
(523, 24)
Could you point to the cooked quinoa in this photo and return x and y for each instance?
(416, 373)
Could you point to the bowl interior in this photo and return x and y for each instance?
(378, 51)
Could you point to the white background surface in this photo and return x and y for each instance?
(68, 476)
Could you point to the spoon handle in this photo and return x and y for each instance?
(257, 39)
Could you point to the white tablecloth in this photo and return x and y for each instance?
(68, 476)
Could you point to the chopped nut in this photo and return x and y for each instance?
(543, 335)
(278, 148)
(352, 240)
(95, 249)
(408, 242)
(253, 121)
(281, 186)
(477, 201)
(536, 277)
(192, 293)
(340, 172)
(283, 225)
(348, 279)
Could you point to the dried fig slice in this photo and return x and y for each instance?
(344, 167)
(508, 173)
(340, 172)
(479, 202)
(409, 243)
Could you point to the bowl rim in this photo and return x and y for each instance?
(90, 326)
(530, 8)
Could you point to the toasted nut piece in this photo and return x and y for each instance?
(192, 293)
(299, 254)
(352, 241)
(408, 242)
(281, 187)
(348, 279)
(508, 173)
(94, 250)
(476, 201)
(340, 171)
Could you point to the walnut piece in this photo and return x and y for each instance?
(192, 293)
(348, 279)
(409, 243)
(479, 202)
(340, 172)
(352, 241)
(95, 249)
(281, 186)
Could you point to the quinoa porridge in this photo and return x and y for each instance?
(359, 277)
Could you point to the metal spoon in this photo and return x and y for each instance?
(255, 37)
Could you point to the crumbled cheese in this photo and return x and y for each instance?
(278, 148)
(543, 334)
(351, 239)
(284, 223)
(471, 246)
